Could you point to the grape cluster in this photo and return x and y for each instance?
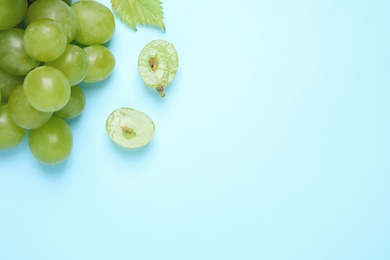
(48, 47)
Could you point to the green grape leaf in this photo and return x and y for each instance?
(144, 12)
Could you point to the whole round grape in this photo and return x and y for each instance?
(101, 63)
(8, 82)
(158, 63)
(56, 10)
(52, 142)
(47, 89)
(75, 105)
(12, 12)
(13, 57)
(44, 40)
(130, 128)
(96, 23)
(73, 63)
(23, 113)
(10, 133)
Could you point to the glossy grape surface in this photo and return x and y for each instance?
(51, 143)
(101, 63)
(73, 63)
(47, 89)
(23, 113)
(75, 105)
(10, 133)
(13, 57)
(96, 22)
(56, 10)
(8, 82)
(12, 12)
(44, 40)
(130, 128)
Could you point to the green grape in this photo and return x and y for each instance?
(8, 82)
(12, 12)
(47, 89)
(52, 142)
(68, 2)
(13, 57)
(96, 22)
(56, 10)
(44, 40)
(75, 105)
(157, 64)
(101, 63)
(73, 63)
(10, 133)
(130, 128)
(23, 113)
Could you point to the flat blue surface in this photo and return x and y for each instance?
(272, 143)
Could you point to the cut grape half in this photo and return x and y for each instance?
(157, 64)
(130, 128)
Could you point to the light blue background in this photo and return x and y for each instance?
(272, 143)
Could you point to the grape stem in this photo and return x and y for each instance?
(160, 90)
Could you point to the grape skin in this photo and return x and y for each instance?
(101, 63)
(75, 105)
(47, 89)
(56, 10)
(44, 40)
(52, 142)
(73, 63)
(23, 113)
(12, 12)
(13, 57)
(96, 22)
(10, 133)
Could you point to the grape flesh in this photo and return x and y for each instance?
(158, 63)
(47, 89)
(44, 40)
(13, 57)
(96, 23)
(130, 128)
(52, 142)
(10, 133)
(23, 113)
(101, 63)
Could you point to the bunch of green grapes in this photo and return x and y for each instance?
(48, 47)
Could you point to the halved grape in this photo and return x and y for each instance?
(10, 133)
(52, 142)
(157, 64)
(129, 127)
